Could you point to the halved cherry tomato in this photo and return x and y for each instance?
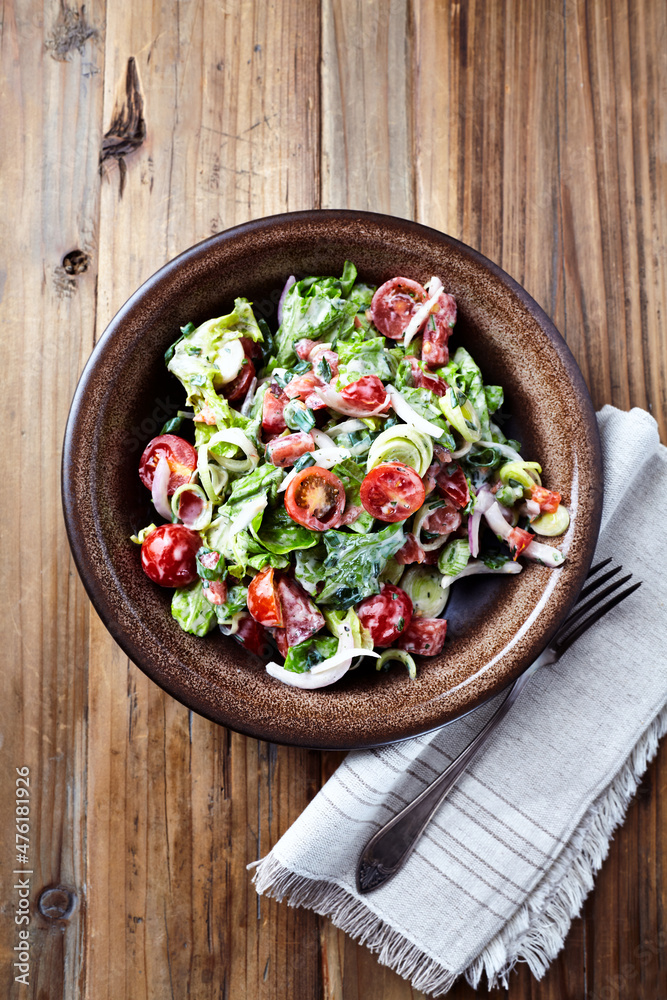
(394, 305)
(443, 520)
(273, 404)
(253, 636)
(215, 591)
(302, 618)
(315, 498)
(547, 500)
(367, 393)
(392, 491)
(168, 555)
(181, 458)
(386, 615)
(263, 600)
(238, 387)
(283, 451)
(411, 552)
(424, 636)
(518, 540)
(424, 380)
(451, 482)
(437, 332)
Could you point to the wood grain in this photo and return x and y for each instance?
(48, 161)
(537, 133)
(231, 134)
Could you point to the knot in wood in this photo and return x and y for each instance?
(76, 262)
(57, 902)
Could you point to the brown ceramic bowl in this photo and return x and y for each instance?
(496, 626)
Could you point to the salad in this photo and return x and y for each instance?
(327, 483)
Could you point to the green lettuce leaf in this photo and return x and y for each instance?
(474, 388)
(351, 475)
(193, 612)
(354, 563)
(362, 295)
(359, 357)
(193, 360)
(315, 308)
(237, 600)
(280, 534)
(342, 624)
(308, 654)
(425, 403)
(309, 568)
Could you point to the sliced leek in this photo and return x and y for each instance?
(402, 443)
(552, 524)
(462, 415)
(423, 586)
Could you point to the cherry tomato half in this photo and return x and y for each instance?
(386, 615)
(547, 500)
(367, 393)
(315, 498)
(424, 636)
(392, 491)
(394, 305)
(168, 555)
(181, 458)
(238, 387)
(263, 600)
(518, 540)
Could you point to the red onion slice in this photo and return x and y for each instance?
(160, 487)
(288, 284)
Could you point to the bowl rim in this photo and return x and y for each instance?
(95, 588)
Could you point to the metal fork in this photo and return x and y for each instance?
(387, 851)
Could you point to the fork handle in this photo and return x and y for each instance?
(388, 849)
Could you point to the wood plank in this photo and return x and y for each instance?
(573, 211)
(50, 109)
(366, 164)
(180, 805)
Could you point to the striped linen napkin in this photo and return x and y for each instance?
(506, 863)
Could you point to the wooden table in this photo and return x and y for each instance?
(537, 133)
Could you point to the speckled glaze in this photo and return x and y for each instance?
(496, 626)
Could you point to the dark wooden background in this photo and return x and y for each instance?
(534, 131)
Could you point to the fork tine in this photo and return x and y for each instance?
(563, 644)
(579, 612)
(598, 583)
(594, 569)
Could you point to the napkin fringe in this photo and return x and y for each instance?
(536, 932)
(352, 916)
